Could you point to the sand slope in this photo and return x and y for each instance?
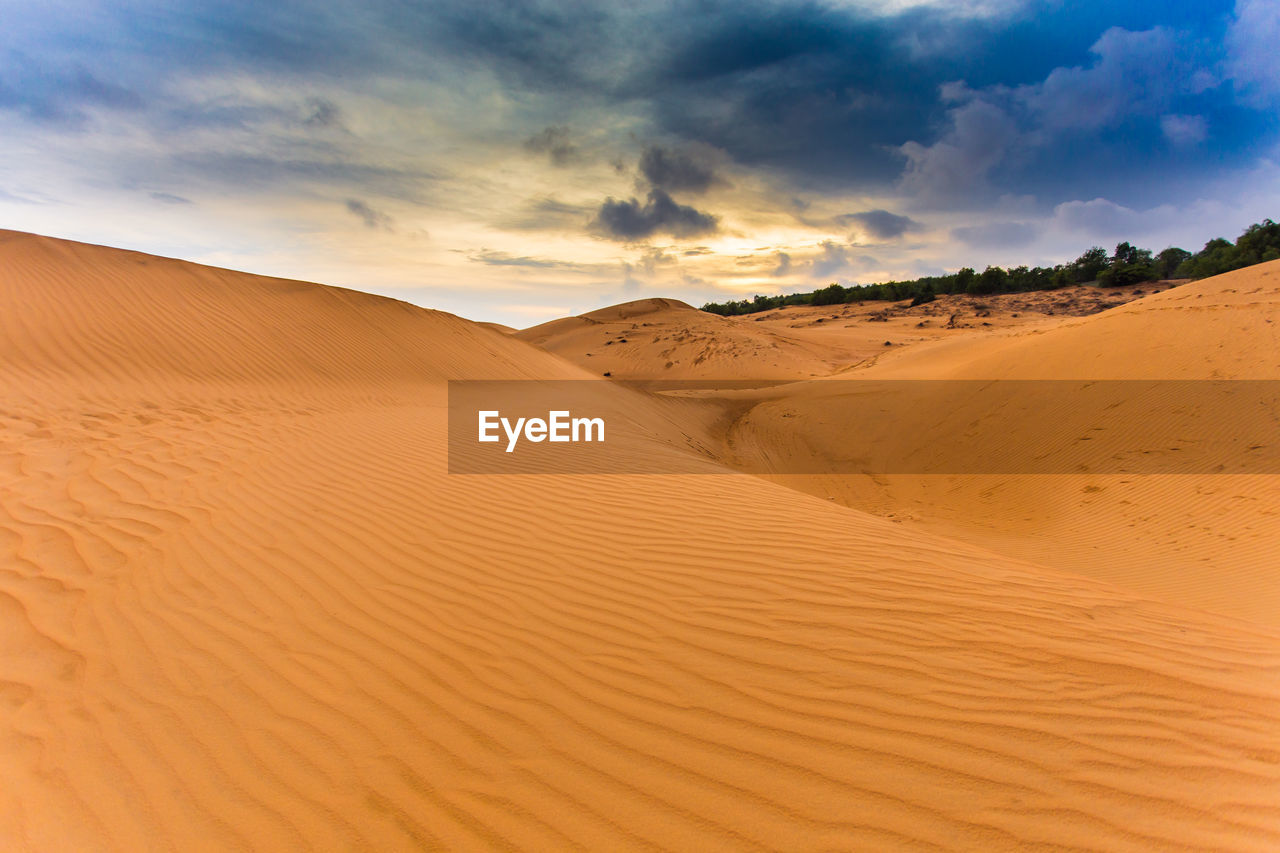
(76, 312)
(244, 607)
(1203, 541)
(667, 339)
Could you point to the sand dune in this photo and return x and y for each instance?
(665, 339)
(655, 339)
(245, 607)
(1219, 328)
(127, 317)
(1203, 541)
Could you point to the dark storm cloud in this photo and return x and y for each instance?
(676, 171)
(1068, 100)
(1059, 100)
(880, 224)
(630, 220)
(791, 85)
(371, 218)
(795, 87)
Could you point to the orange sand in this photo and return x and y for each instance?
(244, 607)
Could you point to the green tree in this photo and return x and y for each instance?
(1168, 261)
(1217, 256)
(1260, 242)
(832, 294)
(992, 280)
(1129, 265)
(1088, 266)
(925, 294)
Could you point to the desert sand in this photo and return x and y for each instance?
(666, 339)
(246, 607)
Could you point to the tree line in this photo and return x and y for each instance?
(1128, 265)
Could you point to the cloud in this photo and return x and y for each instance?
(677, 171)
(630, 284)
(61, 95)
(652, 259)
(997, 235)
(880, 224)
(322, 112)
(468, 110)
(630, 220)
(546, 214)
(1101, 218)
(823, 93)
(1133, 73)
(83, 87)
(1253, 60)
(170, 198)
(834, 259)
(496, 258)
(995, 131)
(371, 218)
(10, 197)
(554, 141)
(977, 140)
(299, 164)
(1184, 131)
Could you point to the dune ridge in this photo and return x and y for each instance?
(245, 607)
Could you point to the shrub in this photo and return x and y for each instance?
(1128, 265)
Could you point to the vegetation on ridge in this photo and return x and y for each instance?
(1127, 265)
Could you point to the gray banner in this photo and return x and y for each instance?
(839, 426)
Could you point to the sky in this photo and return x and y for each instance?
(517, 162)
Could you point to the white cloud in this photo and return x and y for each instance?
(1000, 235)
(1133, 73)
(834, 259)
(1253, 51)
(1184, 131)
(1099, 218)
(954, 8)
(979, 136)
